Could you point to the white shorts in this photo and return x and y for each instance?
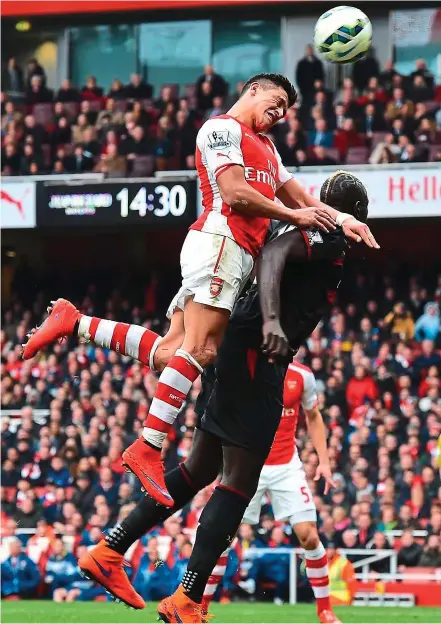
(214, 270)
(289, 493)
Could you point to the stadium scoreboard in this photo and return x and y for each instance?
(116, 203)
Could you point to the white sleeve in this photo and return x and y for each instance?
(283, 174)
(219, 142)
(309, 395)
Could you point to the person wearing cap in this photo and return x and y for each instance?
(341, 577)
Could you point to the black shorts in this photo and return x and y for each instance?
(243, 404)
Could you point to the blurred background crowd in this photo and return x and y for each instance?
(377, 116)
(72, 410)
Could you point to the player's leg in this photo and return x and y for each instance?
(136, 341)
(252, 515)
(200, 469)
(218, 525)
(214, 268)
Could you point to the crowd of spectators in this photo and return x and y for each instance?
(68, 414)
(377, 116)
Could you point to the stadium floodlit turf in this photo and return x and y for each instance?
(45, 612)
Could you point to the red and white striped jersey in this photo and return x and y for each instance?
(299, 389)
(222, 142)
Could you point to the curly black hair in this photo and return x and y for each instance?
(269, 81)
(344, 191)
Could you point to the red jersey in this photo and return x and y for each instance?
(222, 142)
(299, 389)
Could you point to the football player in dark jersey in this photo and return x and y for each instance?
(240, 403)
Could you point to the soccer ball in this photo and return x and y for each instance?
(343, 35)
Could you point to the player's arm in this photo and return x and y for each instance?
(270, 265)
(293, 195)
(242, 197)
(317, 433)
(220, 144)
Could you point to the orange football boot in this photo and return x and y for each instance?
(145, 463)
(58, 325)
(180, 608)
(106, 567)
(328, 617)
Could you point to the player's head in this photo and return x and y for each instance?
(269, 96)
(345, 192)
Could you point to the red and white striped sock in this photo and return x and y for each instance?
(173, 386)
(214, 580)
(133, 340)
(317, 572)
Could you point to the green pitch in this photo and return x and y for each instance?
(44, 612)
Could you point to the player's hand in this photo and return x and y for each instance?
(275, 343)
(324, 470)
(313, 218)
(358, 231)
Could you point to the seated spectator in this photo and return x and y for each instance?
(62, 133)
(351, 106)
(62, 574)
(347, 137)
(34, 129)
(59, 111)
(116, 118)
(67, 161)
(111, 138)
(29, 157)
(431, 555)
(164, 144)
(11, 160)
(387, 75)
(111, 163)
(427, 326)
(320, 135)
(10, 114)
(347, 88)
(37, 93)
(80, 128)
(371, 121)
(288, 148)
(20, 575)
(165, 97)
(272, 568)
(85, 109)
(136, 144)
(68, 93)
(422, 71)
(302, 159)
(380, 542)
(427, 132)
(91, 91)
(90, 145)
(339, 115)
(82, 163)
(58, 473)
(27, 515)
(138, 89)
(419, 90)
(12, 76)
(375, 87)
(154, 579)
(321, 157)
(116, 91)
(140, 116)
(217, 109)
(410, 552)
(410, 154)
(219, 86)
(360, 387)
(394, 108)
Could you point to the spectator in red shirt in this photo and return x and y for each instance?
(347, 137)
(360, 388)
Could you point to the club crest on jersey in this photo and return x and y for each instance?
(314, 236)
(292, 385)
(216, 286)
(219, 139)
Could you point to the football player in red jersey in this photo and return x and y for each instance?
(240, 407)
(241, 175)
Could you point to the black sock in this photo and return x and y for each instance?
(148, 513)
(218, 525)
